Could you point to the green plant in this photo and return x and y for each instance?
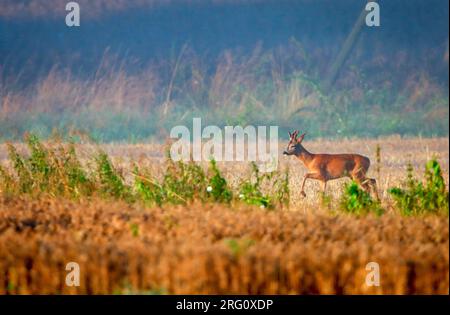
(147, 188)
(134, 227)
(7, 183)
(326, 201)
(56, 171)
(78, 181)
(39, 163)
(431, 196)
(183, 182)
(251, 190)
(357, 201)
(217, 184)
(282, 192)
(239, 246)
(111, 183)
(24, 178)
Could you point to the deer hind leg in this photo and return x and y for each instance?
(359, 176)
(373, 186)
(323, 184)
(368, 184)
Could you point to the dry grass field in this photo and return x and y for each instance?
(212, 248)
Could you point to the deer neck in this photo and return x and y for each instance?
(304, 155)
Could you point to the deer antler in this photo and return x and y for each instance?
(293, 135)
(301, 137)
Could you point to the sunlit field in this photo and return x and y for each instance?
(93, 95)
(201, 244)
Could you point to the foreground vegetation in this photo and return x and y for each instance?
(210, 248)
(185, 228)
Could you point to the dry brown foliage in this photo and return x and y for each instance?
(186, 250)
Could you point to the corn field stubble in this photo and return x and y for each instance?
(213, 248)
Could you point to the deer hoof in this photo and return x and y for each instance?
(302, 193)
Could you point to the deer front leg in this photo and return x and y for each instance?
(307, 175)
(302, 192)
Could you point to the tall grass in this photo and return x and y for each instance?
(282, 87)
(419, 197)
(55, 170)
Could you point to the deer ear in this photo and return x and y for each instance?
(299, 140)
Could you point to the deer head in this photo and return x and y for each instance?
(294, 146)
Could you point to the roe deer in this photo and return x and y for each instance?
(325, 167)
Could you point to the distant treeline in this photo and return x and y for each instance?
(134, 69)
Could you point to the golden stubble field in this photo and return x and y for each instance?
(213, 249)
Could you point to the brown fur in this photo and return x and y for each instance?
(325, 167)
